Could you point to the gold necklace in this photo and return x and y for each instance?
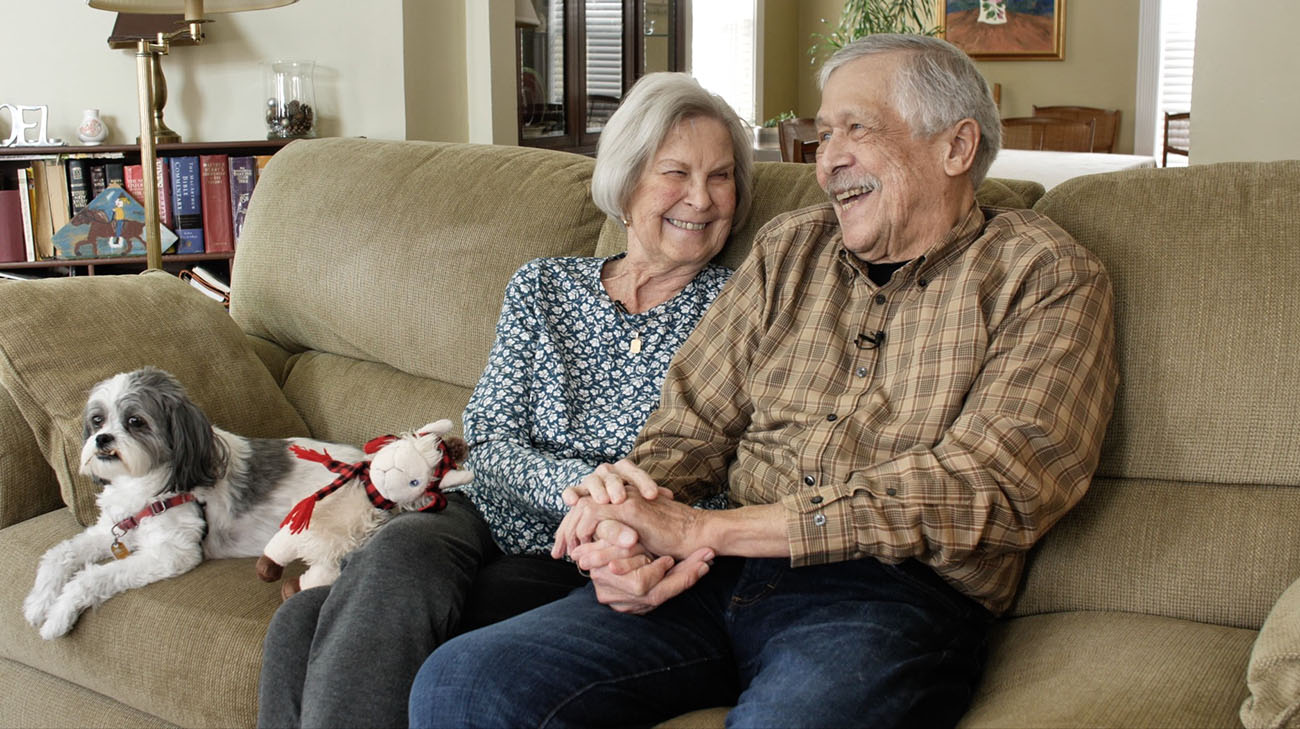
(634, 346)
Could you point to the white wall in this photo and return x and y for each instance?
(1244, 98)
(55, 53)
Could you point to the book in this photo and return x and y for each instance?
(262, 161)
(56, 190)
(112, 224)
(163, 173)
(134, 175)
(202, 280)
(13, 241)
(214, 186)
(42, 220)
(243, 177)
(187, 203)
(115, 174)
(78, 183)
(98, 180)
(25, 202)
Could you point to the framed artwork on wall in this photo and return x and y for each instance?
(1005, 30)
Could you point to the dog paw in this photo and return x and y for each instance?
(36, 607)
(268, 569)
(60, 621)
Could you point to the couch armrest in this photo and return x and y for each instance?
(28, 486)
(1273, 675)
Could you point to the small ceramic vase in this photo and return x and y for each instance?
(92, 129)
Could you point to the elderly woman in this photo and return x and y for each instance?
(581, 349)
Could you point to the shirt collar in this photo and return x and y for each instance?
(969, 227)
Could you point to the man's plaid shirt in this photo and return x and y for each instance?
(958, 441)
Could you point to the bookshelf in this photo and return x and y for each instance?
(13, 158)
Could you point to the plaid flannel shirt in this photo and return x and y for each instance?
(958, 441)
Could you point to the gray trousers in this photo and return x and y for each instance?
(345, 655)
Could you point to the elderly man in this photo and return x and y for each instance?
(903, 391)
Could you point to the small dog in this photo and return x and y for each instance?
(176, 490)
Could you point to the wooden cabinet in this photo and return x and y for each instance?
(14, 158)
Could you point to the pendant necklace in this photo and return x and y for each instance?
(634, 346)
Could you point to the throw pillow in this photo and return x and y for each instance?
(61, 336)
(1273, 675)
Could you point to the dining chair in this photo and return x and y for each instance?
(1047, 133)
(793, 131)
(1106, 122)
(808, 150)
(1178, 136)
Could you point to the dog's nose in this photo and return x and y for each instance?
(103, 440)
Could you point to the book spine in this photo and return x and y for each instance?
(56, 187)
(12, 239)
(187, 204)
(78, 183)
(134, 175)
(25, 202)
(243, 177)
(214, 181)
(98, 180)
(115, 174)
(42, 219)
(163, 170)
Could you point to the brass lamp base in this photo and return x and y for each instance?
(162, 134)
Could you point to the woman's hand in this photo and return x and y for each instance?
(640, 583)
(608, 484)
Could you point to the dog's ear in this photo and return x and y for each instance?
(198, 456)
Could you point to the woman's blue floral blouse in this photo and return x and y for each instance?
(562, 393)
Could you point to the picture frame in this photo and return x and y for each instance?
(1005, 30)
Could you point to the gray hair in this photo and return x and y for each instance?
(652, 107)
(937, 87)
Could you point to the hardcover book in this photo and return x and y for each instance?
(163, 174)
(13, 243)
(243, 177)
(187, 203)
(25, 205)
(56, 191)
(78, 183)
(115, 174)
(110, 225)
(214, 183)
(98, 180)
(42, 220)
(134, 175)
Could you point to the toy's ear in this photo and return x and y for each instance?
(437, 427)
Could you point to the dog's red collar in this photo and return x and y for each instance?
(151, 509)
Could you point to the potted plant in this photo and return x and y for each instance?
(867, 17)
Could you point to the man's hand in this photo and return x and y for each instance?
(660, 525)
(608, 484)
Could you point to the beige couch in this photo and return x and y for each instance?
(367, 285)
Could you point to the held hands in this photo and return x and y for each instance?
(618, 518)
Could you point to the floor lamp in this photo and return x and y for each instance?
(148, 54)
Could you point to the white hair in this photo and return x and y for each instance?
(937, 87)
(636, 130)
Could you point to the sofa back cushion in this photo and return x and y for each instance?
(398, 252)
(1194, 508)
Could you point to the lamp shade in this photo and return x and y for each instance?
(526, 14)
(191, 8)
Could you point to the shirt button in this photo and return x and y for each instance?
(922, 282)
(891, 491)
(820, 520)
(831, 417)
(860, 372)
(880, 299)
(809, 480)
(816, 499)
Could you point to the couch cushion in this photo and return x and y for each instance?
(1204, 263)
(1274, 673)
(33, 698)
(1203, 552)
(30, 487)
(351, 401)
(399, 252)
(126, 322)
(1110, 670)
(215, 617)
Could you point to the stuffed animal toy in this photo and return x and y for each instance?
(402, 473)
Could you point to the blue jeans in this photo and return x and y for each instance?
(857, 643)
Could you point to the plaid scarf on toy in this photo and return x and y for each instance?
(299, 517)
